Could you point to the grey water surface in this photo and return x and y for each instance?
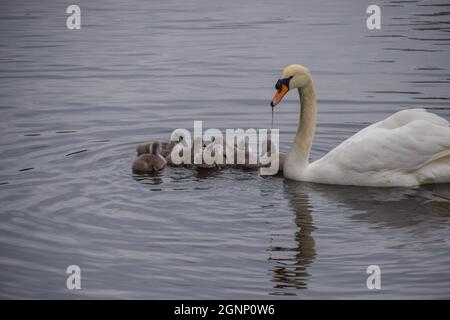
(75, 103)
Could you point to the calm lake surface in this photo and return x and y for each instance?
(75, 103)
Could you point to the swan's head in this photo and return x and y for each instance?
(293, 76)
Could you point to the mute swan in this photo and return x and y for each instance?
(150, 162)
(409, 148)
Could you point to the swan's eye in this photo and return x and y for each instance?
(282, 82)
(278, 86)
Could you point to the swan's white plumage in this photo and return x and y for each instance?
(409, 148)
(402, 150)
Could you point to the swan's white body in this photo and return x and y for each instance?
(409, 148)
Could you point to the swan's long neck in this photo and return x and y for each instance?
(307, 124)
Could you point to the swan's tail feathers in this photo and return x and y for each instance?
(436, 170)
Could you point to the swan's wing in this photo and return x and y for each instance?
(404, 117)
(384, 146)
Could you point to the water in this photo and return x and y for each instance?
(74, 104)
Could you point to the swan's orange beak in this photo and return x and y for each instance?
(279, 95)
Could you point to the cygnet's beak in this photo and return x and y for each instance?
(279, 95)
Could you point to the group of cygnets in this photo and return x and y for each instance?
(156, 155)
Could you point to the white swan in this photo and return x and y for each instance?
(409, 148)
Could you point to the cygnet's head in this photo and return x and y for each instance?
(156, 148)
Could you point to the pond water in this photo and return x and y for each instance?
(75, 103)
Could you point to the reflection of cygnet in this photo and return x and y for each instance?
(269, 154)
(150, 162)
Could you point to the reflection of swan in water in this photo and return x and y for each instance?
(412, 212)
(291, 271)
(418, 209)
